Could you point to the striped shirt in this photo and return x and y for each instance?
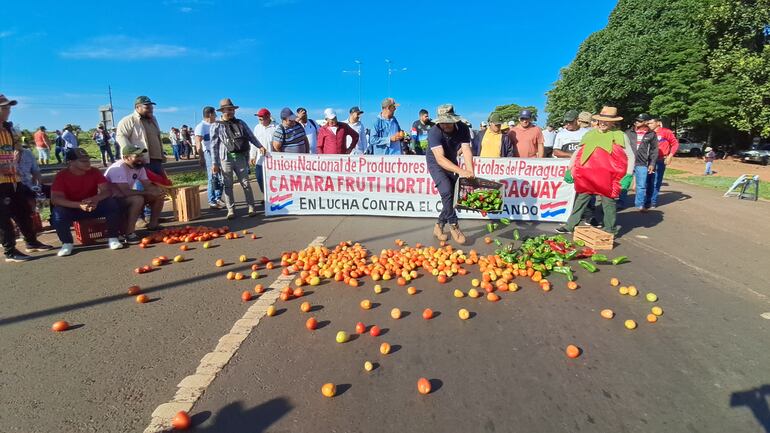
(292, 138)
(8, 173)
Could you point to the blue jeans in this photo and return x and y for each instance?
(175, 149)
(654, 182)
(63, 217)
(260, 181)
(214, 188)
(640, 175)
(708, 168)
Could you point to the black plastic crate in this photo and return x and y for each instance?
(469, 185)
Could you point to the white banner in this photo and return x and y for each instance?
(303, 184)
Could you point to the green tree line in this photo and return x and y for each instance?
(704, 65)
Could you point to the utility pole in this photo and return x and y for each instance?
(356, 72)
(391, 70)
(112, 113)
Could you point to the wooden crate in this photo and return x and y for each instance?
(594, 238)
(186, 202)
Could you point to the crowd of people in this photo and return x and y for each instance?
(604, 161)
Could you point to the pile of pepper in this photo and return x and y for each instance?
(484, 200)
(548, 254)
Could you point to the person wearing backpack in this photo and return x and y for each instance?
(231, 141)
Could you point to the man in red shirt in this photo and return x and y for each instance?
(82, 192)
(332, 137)
(667, 147)
(527, 137)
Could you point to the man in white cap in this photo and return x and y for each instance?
(445, 140)
(231, 141)
(333, 136)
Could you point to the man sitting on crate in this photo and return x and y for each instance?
(133, 190)
(81, 192)
(450, 135)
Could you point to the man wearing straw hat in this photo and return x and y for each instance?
(603, 166)
(231, 141)
(444, 140)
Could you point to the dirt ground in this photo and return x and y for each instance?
(722, 167)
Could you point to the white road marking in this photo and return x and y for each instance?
(765, 316)
(642, 237)
(192, 387)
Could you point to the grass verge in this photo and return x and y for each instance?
(714, 182)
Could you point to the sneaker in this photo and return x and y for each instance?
(132, 239)
(230, 214)
(643, 209)
(251, 212)
(16, 256)
(456, 233)
(214, 205)
(594, 222)
(154, 228)
(221, 204)
(438, 232)
(66, 249)
(37, 246)
(563, 230)
(114, 244)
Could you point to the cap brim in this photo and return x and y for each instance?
(10, 103)
(292, 117)
(606, 119)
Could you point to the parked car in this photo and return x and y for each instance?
(761, 154)
(690, 148)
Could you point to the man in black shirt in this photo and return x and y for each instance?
(449, 136)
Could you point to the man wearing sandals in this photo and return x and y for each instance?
(450, 136)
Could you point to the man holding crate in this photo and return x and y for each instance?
(448, 137)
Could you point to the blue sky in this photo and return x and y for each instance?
(57, 58)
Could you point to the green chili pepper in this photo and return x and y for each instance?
(599, 258)
(588, 266)
(580, 243)
(619, 260)
(498, 243)
(505, 221)
(566, 271)
(516, 235)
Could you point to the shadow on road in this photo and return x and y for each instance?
(233, 418)
(756, 400)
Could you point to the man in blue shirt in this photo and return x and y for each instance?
(444, 140)
(386, 137)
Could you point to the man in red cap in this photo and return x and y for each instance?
(264, 132)
(13, 198)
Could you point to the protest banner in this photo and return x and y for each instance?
(302, 184)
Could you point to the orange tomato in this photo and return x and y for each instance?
(423, 386)
(573, 351)
(181, 421)
(60, 326)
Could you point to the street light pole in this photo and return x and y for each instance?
(391, 70)
(357, 72)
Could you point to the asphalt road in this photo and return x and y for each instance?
(702, 368)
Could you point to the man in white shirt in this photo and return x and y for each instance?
(311, 129)
(568, 138)
(70, 139)
(549, 136)
(354, 120)
(264, 132)
(133, 190)
(203, 144)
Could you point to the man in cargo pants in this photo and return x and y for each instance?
(444, 140)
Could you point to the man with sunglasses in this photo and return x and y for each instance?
(527, 137)
(133, 190)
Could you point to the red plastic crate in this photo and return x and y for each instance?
(88, 231)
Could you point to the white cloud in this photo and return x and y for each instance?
(123, 48)
(185, 10)
(6, 33)
(167, 110)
